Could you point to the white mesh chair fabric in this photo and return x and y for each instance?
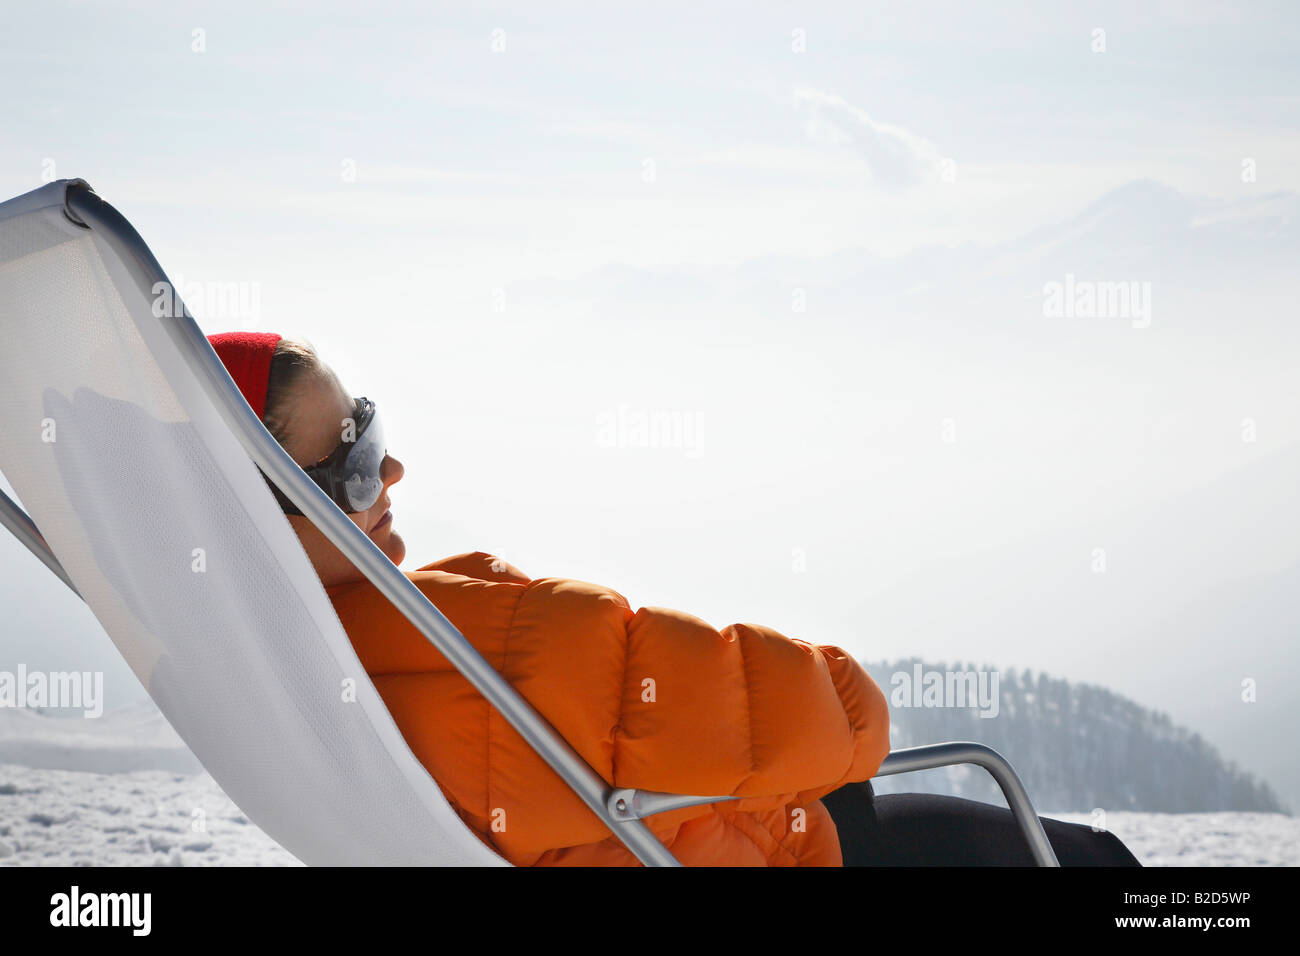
(172, 538)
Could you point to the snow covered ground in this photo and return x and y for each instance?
(140, 818)
(152, 817)
(123, 790)
(1203, 839)
(119, 790)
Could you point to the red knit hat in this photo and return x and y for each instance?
(247, 357)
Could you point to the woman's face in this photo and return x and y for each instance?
(315, 426)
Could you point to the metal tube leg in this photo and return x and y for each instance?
(943, 755)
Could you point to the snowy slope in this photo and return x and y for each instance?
(1204, 839)
(123, 790)
(140, 818)
(148, 818)
(135, 737)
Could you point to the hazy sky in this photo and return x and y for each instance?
(520, 229)
(528, 160)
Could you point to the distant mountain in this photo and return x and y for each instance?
(124, 740)
(1144, 213)
(1201, 592)
(1075, 747)
(1141, 230)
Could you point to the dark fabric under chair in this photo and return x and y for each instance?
(926, 829)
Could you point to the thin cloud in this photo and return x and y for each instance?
(895, 157)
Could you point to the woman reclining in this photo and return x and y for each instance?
(652, 699)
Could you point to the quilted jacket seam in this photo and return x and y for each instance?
(749, 707)
(779, 838)
(622, 702)
(753, 820)
(505, 647)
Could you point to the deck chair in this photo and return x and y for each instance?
(134, 454)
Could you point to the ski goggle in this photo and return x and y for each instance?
(350, 474)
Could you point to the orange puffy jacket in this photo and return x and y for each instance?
(652, 699)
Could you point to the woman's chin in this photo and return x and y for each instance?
(394, 547)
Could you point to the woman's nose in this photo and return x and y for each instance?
(391, 471)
